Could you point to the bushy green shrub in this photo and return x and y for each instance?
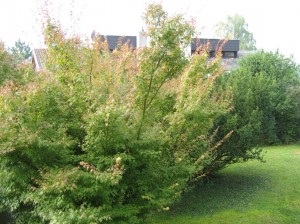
(265, 90)
(106, 137)
(280, 102)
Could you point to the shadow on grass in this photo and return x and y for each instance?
(228, 190)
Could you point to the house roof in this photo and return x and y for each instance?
(114, 40)
(40, 55)
(230, 45)
(39, 58)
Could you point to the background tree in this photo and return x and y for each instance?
(276, 94)
(7, 65)
(236, 27)
(21, 51)
(266, 105)
(11, 71)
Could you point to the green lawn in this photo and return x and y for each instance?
(251, 192)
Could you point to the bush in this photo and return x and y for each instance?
(280, 100)
(109, 136)
(265, 89)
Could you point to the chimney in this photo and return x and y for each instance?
(142, 39)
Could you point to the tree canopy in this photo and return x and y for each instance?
(21, 51)
(12, 71)
(7, 65)
(235, 27)
(266, 102)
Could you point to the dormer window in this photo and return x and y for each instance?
(229, 54)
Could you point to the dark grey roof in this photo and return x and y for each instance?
(113, 41)
(230, 45)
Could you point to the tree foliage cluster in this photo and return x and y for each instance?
(11, 70)
(107, 137)
(21, 51)
(266, 103)
(236, 27)
(7, 65)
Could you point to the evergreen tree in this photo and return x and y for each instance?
(21, 51)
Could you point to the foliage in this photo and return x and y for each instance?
(236, 28)
(280, 103)
(21, 51)
(11, 71)
(266, 104)
(7, 65)
(106, 137)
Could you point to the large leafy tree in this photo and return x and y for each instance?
(235, 27)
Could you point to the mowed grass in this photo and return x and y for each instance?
(251, 192)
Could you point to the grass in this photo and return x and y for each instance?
(251, 192)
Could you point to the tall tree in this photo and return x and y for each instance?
(21, 51)
(236, 27)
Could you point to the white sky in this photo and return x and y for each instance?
(274, 23)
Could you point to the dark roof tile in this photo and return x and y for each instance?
(230, 45)
(113, 41)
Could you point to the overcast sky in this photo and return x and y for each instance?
(275, 24)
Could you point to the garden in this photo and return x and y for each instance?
(148, 135)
